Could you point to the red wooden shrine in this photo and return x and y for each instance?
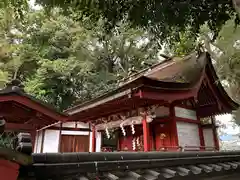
(24, 113)
(167, 107)
(162, 107)
(21, 113)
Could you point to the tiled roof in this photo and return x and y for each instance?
(136, 166)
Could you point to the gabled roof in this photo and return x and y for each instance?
(39, 113)
(174, 75)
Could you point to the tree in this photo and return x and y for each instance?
(60, 60)
(11, 50)
(225, 51)
(164, 18)
(228, 63)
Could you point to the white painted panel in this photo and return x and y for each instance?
(185, 113)
(38, 142)
(75, 133)
(188, 134)
(208, 138)
(98, 141)
(51, 141)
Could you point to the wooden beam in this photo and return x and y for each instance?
(99, 102)
(19, 127)
(50, 125)
(69, 129)
(173, 96)
(126, 122)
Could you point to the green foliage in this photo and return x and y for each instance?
(225, 50)
(228, 64)
(184, 45)
(18, 7)
(166, 19)
(62, 61)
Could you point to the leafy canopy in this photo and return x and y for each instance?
(60, 60)
(165, 18)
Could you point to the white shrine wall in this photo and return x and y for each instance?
(188, 132)
(51, 137)
(208, 138)
(188, 135)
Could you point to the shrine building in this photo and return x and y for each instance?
(168, 107)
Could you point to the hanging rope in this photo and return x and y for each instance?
(123, 130)
(134, 144)
(107, 133)
(133, 129)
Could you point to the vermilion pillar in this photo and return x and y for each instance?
(146, 139)
(93, 138)
(174, 133)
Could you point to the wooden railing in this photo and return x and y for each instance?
(173, 148)
(187, 148)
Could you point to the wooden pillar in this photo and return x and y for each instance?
(201, 137)
(93, 138)
(42, 142)
(33, 137)
(215, 133)
(60, 138)
(174, 133)
(146, 138)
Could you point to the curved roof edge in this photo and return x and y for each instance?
(167, 67)
(232, 104)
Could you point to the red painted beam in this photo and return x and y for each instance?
(19, 127)
(167, 96)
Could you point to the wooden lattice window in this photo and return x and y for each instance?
(7, 139)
